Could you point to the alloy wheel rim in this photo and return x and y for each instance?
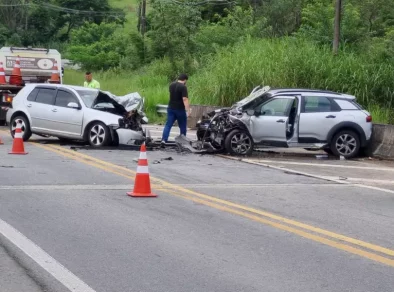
(241, 143)
(346, 144)
(97, 135)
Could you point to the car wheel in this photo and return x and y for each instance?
(98, 135)
(346, 143)
(328, 151)
(239, 142)
(26, 131)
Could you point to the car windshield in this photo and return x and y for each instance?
(88, 96)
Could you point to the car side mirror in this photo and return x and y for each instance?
(73, 105)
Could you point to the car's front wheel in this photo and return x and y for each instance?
(346, 143)
(239, 142)
(98, 135)
(26, 131)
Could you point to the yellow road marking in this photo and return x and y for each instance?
(302, 233)
(211, 201)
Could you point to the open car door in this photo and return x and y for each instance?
(271, 122)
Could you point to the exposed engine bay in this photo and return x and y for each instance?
(130, 109)
(226, 129)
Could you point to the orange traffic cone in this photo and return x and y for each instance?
(16, 75)
(142, 179)
(55, 77)
(17, 145)
(2, 74)
(1, 142)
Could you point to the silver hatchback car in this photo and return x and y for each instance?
(76, 113)
(302, 118)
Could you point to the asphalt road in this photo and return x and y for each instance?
(269, 223)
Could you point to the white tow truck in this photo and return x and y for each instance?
(36, 67)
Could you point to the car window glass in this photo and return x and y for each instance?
(32, 96)
(316, 104)
(277, 107)
(346, 105)
(63, 98)
(46, 95)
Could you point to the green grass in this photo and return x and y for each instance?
(232, 73)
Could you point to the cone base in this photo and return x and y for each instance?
(132, 194)
(18, 153)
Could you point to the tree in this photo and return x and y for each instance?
(98, 46)
(172, 28)
(75, 20)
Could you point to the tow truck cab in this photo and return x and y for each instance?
(36, 67)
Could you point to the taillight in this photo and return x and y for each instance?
(8, 99)
(369, 119)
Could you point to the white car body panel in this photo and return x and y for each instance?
(71, 123)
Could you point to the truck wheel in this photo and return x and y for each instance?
(98, 135)
(346, 143)
(26, 131)
(239, 142)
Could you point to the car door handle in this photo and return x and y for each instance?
(54, 110)
(330, 117)
(29, 105)
(280, 121)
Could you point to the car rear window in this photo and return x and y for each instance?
(46, 95)
(32, 96)
(317, 104)
(347, 104)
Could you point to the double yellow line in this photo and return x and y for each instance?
(364, 249)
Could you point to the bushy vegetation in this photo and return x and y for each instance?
(227, 47)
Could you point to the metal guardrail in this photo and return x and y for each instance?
(161, 109)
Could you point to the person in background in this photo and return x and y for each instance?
(178, 108)
(90, 82)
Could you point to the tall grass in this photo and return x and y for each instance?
(231, 74)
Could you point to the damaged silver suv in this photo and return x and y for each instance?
(303, 118)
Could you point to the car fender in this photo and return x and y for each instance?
(348, 125)
(108, 119)
(13, 112)
(237, 124)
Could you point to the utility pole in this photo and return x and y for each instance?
(337, 26)
(143, 18)
(139, 18)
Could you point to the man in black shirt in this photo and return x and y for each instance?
(178, 107)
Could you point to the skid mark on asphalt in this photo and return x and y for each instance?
(364, 249)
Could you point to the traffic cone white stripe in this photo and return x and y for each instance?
(2, 73)
(17, 66)
(143, 155)
(18, 135)
(142, 169)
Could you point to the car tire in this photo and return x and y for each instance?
(328, 151)
(239, 142)
(346, 143)
(98, 135)
(26, 131)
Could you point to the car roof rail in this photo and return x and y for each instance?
(307, 90)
